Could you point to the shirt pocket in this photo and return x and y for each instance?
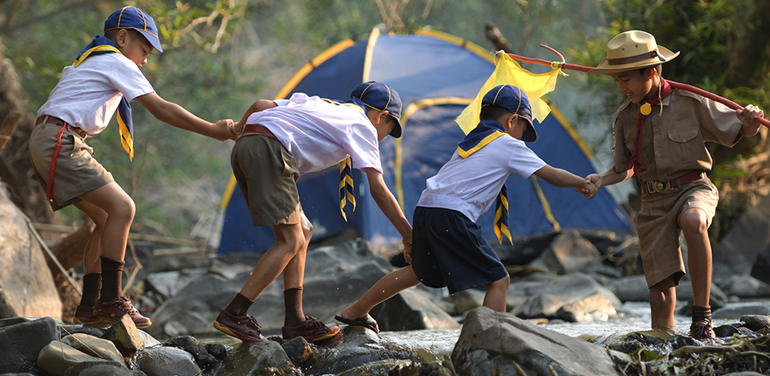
(686, 145)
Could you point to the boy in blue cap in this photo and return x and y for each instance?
(105, 77)
(449, 248)
(281, 140)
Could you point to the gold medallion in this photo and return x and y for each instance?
(646, 109)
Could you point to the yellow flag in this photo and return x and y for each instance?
(508, 71)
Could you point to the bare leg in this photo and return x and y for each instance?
(294, 273)
(120, 211)
(496, 293)
(289, 240)
(91, 261)
(386, 287)
(695, 229)
(662, 304)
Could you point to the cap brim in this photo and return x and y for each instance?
(397, 129)
(605, 68)
(154, 41)
(530, 134)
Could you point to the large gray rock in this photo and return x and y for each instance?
(568, 252)
(411, 309)
(27, 288)
(634, 289)
(57, 357)
(335, 276)
(21, 341)
(738, 249)
(258, 359)
(572, 297)
(165, 360)
(493, 343)
(745, 286)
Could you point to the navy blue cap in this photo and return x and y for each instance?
(380, 97)
(515, 100)
(130, 17)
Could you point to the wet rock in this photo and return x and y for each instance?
(756, 322)
(165, 360)
(21, 340)
(27, 288)
(57, 357)
(199, 352)
(217, 350)
(497, 343)
(125, 336)
(745, 286)
(396, 367)
(298, 351)
(568, 252)
(739, 248)
(737, 310)
(411, 309)
(98, 347)
(258, 359)
(343, 272)
(100, 368)
(570, 297)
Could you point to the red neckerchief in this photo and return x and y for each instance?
(636, 159)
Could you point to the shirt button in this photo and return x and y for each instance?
(657, 130)
(684, 139)
(660, 155)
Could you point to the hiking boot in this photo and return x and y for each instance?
(702, 331)
(312, 330)
(243, 327)
(85, 315)
(111, 312)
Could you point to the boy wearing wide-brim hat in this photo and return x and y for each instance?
(449, 248)
(104, 79)
(659, 138)
(282, 140)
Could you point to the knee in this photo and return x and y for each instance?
(693, 221)
(501, 283)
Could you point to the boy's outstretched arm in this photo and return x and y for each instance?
(389, 206)
(176, 115)
(563, 178)
(608, 177)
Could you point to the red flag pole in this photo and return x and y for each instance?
(675, 85)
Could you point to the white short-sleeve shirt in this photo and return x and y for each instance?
(471, 185)
(320, 133)
(87, 96)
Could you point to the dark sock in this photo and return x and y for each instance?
(112, 279)
(92, 285)
(292, 299)
(239, 305)
(701, 313)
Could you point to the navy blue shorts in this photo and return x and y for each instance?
(449, 250)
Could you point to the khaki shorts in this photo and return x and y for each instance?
(658, 227)
(76, 172)
(267, 176)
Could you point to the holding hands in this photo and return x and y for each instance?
(592, 184)
(223, 130)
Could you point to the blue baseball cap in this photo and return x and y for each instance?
(515, 100)
(380, 97)
(130, 17)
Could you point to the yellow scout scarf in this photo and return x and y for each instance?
(484, 133)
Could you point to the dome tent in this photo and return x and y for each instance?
(436, 75)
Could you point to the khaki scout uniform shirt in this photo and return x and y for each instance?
(672, 144)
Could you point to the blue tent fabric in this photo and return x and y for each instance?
(436, 76)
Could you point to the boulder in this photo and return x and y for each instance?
(739, 248)
(125, 336)
(98, 347)
(761, 266)
(568, 252)
(493, 343)
(21, 341)
(733, 311)
(572, 297)
(745, 286)
(57, 357)
(165, 360)
(411, 309)
(258, 359)
(27, 288)
(634, 289)
(335, 276)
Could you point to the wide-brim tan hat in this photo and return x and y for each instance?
(634, 49)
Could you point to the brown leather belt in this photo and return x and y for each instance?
(257, 128)
(54, 120)
(658, 186)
